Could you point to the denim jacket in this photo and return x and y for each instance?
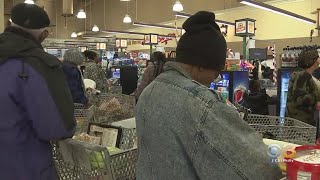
(187, 132)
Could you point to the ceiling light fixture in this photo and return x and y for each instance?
(29, 1)
(95, 28)
(81, 14)
(177, 7)
(185, 15)
(276, 10)
(124, 0)
(127, 19)
(74, 35)
(155, 25)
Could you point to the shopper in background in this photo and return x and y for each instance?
(186, 131)
(36, 104)
(303, 93)
(71, 60)
(154, 68)
(257, 99)
(95, 72)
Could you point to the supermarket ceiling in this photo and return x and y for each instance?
(150, 11)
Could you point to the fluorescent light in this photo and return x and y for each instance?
(177, 6)
(127, 19)
(74, 35)
(81, 14)
(276, 10)
(185, 15)
(154, 25)
(29, 1)
(95, 28)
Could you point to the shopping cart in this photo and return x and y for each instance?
(115, 89)
(124, 131)
(83, 116)
(114, 107)
(244, 112)
(288, 129)
(76, 160)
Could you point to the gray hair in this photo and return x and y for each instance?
(74, 56)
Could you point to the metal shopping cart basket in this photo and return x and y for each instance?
(244, 112)
(123, 132)
(288, 129)
(75, 160)
(83, 116)
(114, 107)
(115, 89)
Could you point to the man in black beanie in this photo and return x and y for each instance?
(186, 131)
(36, 104)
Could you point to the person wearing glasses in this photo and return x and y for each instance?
(304, 90)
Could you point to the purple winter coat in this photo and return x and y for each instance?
(29, 116)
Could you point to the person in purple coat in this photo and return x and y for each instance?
(36, 105)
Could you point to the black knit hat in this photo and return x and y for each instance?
(29, 16)
(202, 44)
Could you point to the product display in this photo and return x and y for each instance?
(232, 86)
(290, 55)
(283, 87)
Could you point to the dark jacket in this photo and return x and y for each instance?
(257, 102)
(303, 95)
(148, 76)
(75, 82)
(36, 107)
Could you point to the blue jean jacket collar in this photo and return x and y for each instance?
(169, 66)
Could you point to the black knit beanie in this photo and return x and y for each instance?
(30, 16)
(202, 44)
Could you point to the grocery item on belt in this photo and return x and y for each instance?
(303, 163)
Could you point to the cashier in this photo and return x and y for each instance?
(304, 92)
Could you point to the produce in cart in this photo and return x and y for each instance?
(97, 158)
